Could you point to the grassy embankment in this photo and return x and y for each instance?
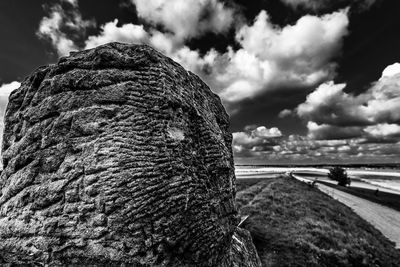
(293, 224)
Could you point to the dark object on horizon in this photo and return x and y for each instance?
(376, 192)
(314, 183)
(340, 175)
(119, 156)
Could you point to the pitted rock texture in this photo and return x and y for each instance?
(117, 156)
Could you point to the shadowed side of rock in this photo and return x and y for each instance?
(117, 155)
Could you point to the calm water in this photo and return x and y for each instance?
(388, 179)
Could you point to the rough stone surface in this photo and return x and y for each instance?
(243, 251)
(118, 156)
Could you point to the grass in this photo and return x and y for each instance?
(242, 184)
(293, 224)
(384, 198)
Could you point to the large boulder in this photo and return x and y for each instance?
(118, 156)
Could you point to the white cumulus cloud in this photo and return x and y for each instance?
(293, 56)
(110, 32)
(329, 104)
(264, 132)
(5, 91)
(186, 18)
(269, 57)
(391, 70)
(256, 139)
(375, 113)
(383, 130)
(7, 88)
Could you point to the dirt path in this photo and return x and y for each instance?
(384, 219)
(354, 183)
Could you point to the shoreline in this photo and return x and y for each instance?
(384, 180)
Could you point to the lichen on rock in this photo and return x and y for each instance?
(117, 156)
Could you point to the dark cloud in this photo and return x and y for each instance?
(328, 5)
(64, 26)
(331, 132)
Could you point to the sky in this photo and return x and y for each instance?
(304, 81)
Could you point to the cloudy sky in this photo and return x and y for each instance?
(304, 81)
